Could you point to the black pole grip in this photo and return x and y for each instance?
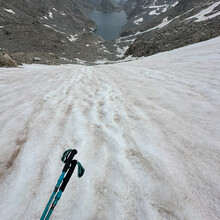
(69, 160)
(68, 175)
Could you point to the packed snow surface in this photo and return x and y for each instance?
(146, 131)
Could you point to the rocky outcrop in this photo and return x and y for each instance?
(175, 28)
(6, 60)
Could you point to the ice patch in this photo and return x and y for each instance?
(65, 59)
(158, 9)
(72, 38)
(138, 21)
(201, 16)
(165, 9)
(9, 10)
(101, 61)
(80, 61)
(48, 26)
(154, 12)
(50, 14)
(121, 51)
(174, 4)
(156, 6)
(164, 23)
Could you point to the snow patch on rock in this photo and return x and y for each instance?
(202, 16)
(9, 10)
(164, 23)
(72, 38)
(138, 21)
(48, 26)
(50, 14)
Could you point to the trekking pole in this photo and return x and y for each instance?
(64, 184)
(62, 188)
(69, 167)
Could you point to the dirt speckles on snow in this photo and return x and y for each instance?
(146, 132)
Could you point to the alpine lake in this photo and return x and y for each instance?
(108, 24)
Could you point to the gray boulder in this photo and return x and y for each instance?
(7, 61)
(36, 59)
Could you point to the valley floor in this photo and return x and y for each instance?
(146, 131)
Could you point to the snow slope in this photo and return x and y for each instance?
(146, 131)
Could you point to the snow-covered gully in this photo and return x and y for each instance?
(146, 131)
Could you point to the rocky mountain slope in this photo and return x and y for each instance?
(54, 30)
(59, 32)
(89, 5)
(186, 23)
(142, 11)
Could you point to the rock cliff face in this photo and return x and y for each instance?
(89, 5)
(186, 23)
(107, 6)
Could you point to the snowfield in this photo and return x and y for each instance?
(147, 133)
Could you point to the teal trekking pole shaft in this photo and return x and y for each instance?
(67, 159)
(52, 196)
(62, 188)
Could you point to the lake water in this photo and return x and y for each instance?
(108, 24)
